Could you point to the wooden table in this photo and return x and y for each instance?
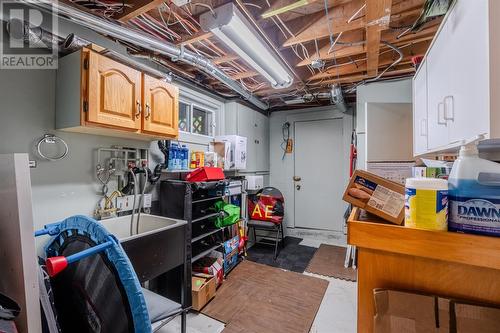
(443, 263)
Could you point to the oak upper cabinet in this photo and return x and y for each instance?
(114, 93)
(161, 107)
(98, 95)
(460, 89)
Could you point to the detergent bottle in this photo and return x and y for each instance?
(185, 158)
(172, 156)
(474, 192)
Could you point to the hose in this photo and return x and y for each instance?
(141, 200)
(133, 205)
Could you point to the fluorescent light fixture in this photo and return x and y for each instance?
(234, 30)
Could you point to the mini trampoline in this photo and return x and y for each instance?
(94, 284)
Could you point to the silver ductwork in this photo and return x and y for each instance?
(145, 41)
(337, 99)
(38, 37)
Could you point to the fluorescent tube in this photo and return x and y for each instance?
(234, 30)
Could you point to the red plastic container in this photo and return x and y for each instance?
(205, 174)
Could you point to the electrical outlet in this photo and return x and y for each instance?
(125, 203)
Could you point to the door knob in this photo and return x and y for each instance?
(297, 179)
(298, 187)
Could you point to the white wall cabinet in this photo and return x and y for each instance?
(244, 121)
(456, 89)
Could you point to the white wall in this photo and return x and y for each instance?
(398, 91)
(282, 171)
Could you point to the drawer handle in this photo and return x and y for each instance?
(449, 108)
(440, 114)
(147, 114)
(138, 108)
(423, 127)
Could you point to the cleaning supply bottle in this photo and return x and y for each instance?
(474, 192)
(171, 156)
(185, 158)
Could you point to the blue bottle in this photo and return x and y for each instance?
(185, 158)
(172, 155)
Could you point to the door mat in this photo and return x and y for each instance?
(292, 257)
(258, 298)
(329, 261)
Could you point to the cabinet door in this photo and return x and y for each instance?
(262, 141)
(467, 105)
(246, 128)
(114, 93)
(161, 107)
(420, 111)
(437, 88)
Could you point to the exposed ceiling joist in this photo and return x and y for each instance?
(361, 77)
(244, 75)
(386, 58)
(138, 7)
(340, 50)
(339, 15)
(378, 17)
(224, 59)
(199, 36)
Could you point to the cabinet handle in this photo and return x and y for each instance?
(449, 108)
(423, 127)
(440, 114)
(147, 114)
(138, 109)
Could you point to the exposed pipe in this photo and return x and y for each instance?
(147, 42)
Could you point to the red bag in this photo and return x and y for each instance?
(205, 174)
(267, 205)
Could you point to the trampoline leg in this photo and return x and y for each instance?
(183, 322)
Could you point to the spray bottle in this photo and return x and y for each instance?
(474, 192)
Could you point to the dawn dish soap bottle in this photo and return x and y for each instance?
(474, 192)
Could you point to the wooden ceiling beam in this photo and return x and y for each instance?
(224, 59)
(360, 77)
(138, 7)
(190, 39)
(378, 17)
(386, 58)
(318, 28)
(244, 75)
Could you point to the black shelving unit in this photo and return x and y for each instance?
(192, 202)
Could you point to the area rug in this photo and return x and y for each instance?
(329, 261)
(292, 257)
(258, 298)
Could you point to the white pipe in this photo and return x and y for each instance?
(143, 40)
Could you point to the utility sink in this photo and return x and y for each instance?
(159, 246)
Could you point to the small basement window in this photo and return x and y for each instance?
(194, 119)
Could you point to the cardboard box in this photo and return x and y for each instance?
(394, 171)
(212, 264)
(223, 151)
(398, 311)
(203, 290)
(238, 158)
(430, 172)
(376, 195)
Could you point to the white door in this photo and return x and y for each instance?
(318, 181)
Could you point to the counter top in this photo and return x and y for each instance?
(372, 233)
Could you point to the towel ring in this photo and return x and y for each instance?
(51, 139)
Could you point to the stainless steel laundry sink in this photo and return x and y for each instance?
(159, 246)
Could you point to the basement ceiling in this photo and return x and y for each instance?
(348, 41)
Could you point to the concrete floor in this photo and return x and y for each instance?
(337, 313)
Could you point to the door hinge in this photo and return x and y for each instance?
(85, 64)
(85, 106)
